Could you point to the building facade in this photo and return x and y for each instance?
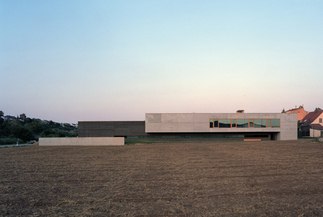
(312, 124)
(197, 127)
(301, 113)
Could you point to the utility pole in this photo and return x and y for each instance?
(244, 99)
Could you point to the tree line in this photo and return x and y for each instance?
(26, 129)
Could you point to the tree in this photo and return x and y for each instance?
(283, 110)
(5, 129)
(23, 133)
(318, 109)
(37, 126)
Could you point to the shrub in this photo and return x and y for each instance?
(9, 141)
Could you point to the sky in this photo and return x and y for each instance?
(100, 60)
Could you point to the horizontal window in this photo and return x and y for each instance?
(260, 122)
(190, 136)
(244, 123)
(225, 123)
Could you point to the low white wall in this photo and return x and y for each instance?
(315, 133)
(85, 141)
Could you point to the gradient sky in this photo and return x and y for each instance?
(117, 60)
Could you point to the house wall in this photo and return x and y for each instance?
(301, 113)
(199, 123)
(315, 133)
(317, 120)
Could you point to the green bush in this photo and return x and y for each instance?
(9, 141)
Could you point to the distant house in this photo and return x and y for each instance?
(74, 125)
(45, 121)
(9, 118)
(301, 113)
(312, 124)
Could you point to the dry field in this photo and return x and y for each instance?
(272, 178)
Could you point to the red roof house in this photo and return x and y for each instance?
(301, 113)
(312, 124)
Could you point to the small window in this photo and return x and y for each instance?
(234, 123)
(269, 123)
(275, 122)
(251, 121)
(216, 123)
(211, 123)
(320, 120)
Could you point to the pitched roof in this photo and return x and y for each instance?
(310, 117)
(316, 126)
(294, 109)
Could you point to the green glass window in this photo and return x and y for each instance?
(211, 123)
(275, 122)
(263, 122)
(260, 122)
(216, 123)
(251, 121)
(224, 123)
(269, 123)
(242, 123)
(234, 123)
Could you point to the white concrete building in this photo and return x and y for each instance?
(276, 126)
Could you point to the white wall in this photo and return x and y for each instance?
(315, 133)
(317, 120)
(84, 141)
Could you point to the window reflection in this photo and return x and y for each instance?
(234, 123)
(251, 123)
(275, 123)
(244, 123)
(224, 123)
(216, 123)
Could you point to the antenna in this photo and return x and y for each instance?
(244, 98)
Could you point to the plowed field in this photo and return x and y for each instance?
(272, 178)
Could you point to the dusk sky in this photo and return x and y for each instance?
(69, 61)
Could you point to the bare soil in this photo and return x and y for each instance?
(272, 178)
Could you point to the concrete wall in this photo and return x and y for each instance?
(85, 141)
(111, 128)
(288, 126)
(199, 123)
